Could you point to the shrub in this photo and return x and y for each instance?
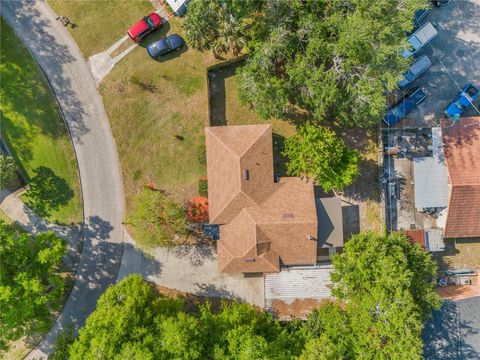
(8, 170)
(203, 187)
(157, 219)
(202, 154)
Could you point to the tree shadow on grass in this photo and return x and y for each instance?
(47, 191)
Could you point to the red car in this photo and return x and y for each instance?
(144, 27)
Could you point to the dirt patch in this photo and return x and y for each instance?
(460, 292)
(299, 308)
(192, 302)
(365, 191)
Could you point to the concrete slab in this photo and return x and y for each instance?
(192, 269)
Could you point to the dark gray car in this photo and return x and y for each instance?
(415, 70)
(164, 45)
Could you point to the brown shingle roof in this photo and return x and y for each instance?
(263, 223)
(462, 153)
(234, 152)
(463, 218)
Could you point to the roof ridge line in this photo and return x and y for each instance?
(223, 144)
(263, 133)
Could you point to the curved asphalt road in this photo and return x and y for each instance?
(73, 84)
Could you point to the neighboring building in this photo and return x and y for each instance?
(264, 224)
(430, 239)
(461, 145)
(448, 182)
(431, 177)
(179, 7)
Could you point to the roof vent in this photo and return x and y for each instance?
(311, 238)
(287, 216)
(249, 260)
(246, 175)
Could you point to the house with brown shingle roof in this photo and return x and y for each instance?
(461, 146)
(264, 224)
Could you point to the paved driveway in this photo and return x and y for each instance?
(454, 331)
(101, 184)
(192, 269)
(457, 46)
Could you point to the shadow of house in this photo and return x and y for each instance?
(351, 221)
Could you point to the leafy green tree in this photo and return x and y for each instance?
(335, 58)
(317, 153)
(388, 285)
(62, 344)
(30, 285)
(200, 24)
(157, 219)
(131, 322)
(8, 170)
(121, 323)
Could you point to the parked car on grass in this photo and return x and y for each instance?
(407, 105)
(463, 100)
(144, 27)
(419, 39)
(164, 46)
(415, 70)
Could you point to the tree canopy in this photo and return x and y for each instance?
(335, 58)
(384, 294)
(131, 321)
(388, 288)
(30, 285)
(317, 153)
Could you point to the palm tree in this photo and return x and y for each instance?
(231, 33)
(200, 24)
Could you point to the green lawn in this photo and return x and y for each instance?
(35, 132)
(150, 102)
(99, 24)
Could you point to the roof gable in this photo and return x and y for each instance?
(240, 168)
(461, 143)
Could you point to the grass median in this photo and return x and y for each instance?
(35, 132)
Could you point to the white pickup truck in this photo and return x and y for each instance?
(419, 39)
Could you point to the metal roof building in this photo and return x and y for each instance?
(431, 176)
(294, 292)
(431, 183)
